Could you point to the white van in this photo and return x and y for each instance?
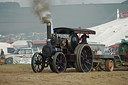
(21, 55)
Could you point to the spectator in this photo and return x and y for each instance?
(106, 52)
(110, 51)
(2, 54)
(94, 51)
(99, 52)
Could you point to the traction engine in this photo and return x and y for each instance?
(64, 50)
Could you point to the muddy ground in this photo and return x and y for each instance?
(23, 75)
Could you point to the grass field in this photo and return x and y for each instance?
(23, 75)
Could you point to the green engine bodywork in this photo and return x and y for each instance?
(123, 48)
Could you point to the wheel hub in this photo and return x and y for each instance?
(111, 65)
(37, 62)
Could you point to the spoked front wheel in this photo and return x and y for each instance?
(59, 62)
(37, 62)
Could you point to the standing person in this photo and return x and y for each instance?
(84, 38)
(2, 54)
(99, 52)
(94, 51)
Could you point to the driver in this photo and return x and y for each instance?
(84, 39)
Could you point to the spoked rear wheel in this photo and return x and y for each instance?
(84, 58)
(59, 62)
(37, 62)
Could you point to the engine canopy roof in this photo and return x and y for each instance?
(65, 30)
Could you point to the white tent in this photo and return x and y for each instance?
(20, 43)
(111, 32)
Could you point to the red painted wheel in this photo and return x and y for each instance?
(109, 65)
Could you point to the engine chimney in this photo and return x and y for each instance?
(48, 30)
(46, 20)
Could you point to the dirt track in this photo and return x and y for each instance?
(23, 75)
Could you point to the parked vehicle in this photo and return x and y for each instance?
(20, 55)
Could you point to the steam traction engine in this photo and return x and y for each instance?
(63, 50)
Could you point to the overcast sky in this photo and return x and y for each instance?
(60, 2)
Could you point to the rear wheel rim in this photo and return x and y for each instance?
(84, 58)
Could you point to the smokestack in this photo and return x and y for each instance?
(48, 22)
(48, 30)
